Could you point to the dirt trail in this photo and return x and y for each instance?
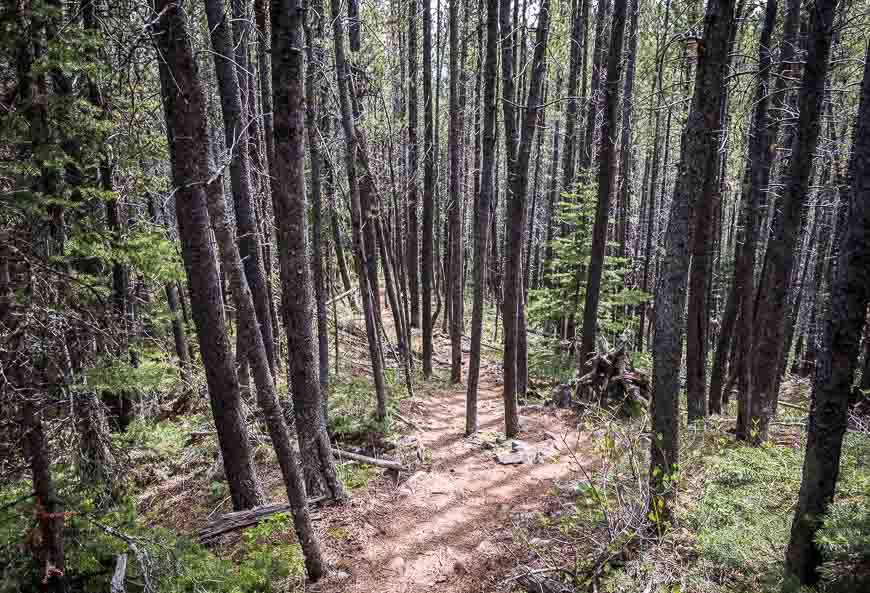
(447, 525)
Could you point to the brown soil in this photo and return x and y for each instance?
(448, 523)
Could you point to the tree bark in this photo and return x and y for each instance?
(606, 172)
(598, 57)
(850, 295)
(518, 156)
(772, 296)
(482, 214)
(412, 245)
(454, 148)
(236, 137)
(428, 255)
(352, 145)
(290, 205)
(315, 97)
(187, 134)
(696, 178)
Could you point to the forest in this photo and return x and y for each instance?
(545, 296)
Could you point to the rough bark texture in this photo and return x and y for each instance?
(428, 255)
(481, 221)
(606, 159)
(412, 247)
(772, 299)
(50, 559)
(454, 211)
(314, 95)
(343, 78)
(839, 357)
(184, 106)
(290, 204)
(236, 137)
(696, 178)
(578, 31)
(598, 57)
(519, 155)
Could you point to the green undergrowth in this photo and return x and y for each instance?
(733, 515)
(267, 560)
(743, 517)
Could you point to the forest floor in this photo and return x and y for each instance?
(450, 523)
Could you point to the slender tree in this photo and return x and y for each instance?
(342, 74)
(412, 244)
(187, 134)
(838, 359)
(454, 148)
(772, 297)
(519, 155)
(606, 158)
(482, 212)
(696, 177)
(428, 255)
(290, 204)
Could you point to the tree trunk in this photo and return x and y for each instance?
(518, 156)
(454, 147)
(236, 137)
(413, 239)
(290, 205)
(343, 78)
(316, 59)
(578, 41)
(625, 149)
(838, 359)
(187, 135)
(50, 562)
(428, 255)
(696, 178)
(482, 213)
(598, 58)
(772, 296)
(605, 184)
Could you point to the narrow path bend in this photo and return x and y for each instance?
(448, 524)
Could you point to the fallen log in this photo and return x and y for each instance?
(384, 463)
(241, 519)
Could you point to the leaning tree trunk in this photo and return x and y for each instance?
(697, 177)
(771, 304)
(343, 77)
(236, 136)
(606, 159)
(290, 204)
(188, 138)
(518, 156)
(838, 359)
(741, 296)
(482, 215)
(187, 132)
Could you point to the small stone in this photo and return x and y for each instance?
(405, 492)
(397, 565)
(511, 458)
(406, 441)
(519, 446)
(340, 575)
(538, 542)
